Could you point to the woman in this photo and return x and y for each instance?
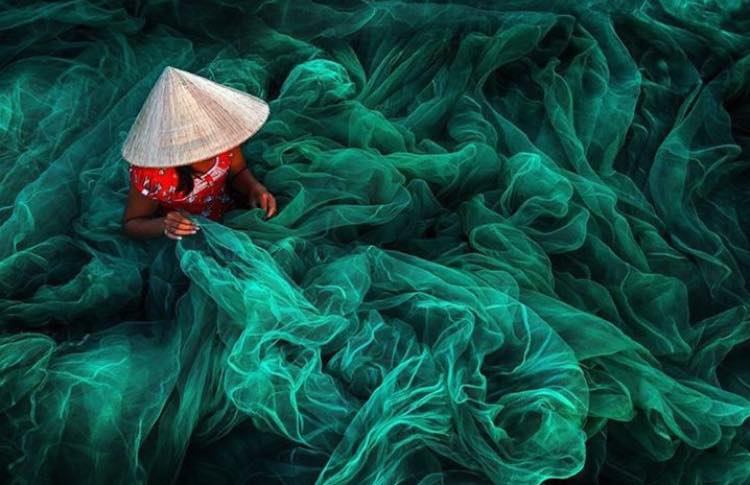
(186, 118)
(160, 199)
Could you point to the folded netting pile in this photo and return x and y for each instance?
(512, 247)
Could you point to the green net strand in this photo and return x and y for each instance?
(512, 247)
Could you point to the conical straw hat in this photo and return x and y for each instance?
(188, 118)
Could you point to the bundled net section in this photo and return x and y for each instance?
(512, 247)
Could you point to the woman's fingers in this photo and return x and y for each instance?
(271, 205)
(184, 217)
(180, 219)
(181, 232)
(177, 224)
(265, 201)
(180, 225)
(173, 233)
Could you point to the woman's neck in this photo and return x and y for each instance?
(203, 166)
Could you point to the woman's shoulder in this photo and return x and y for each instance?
(154, 181)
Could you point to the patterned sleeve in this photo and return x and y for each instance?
(155, 183)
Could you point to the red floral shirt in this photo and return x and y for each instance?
(211, 196)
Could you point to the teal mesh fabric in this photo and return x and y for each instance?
(512, 247)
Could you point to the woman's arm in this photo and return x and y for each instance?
(138, 223)
(240, 174)
(243, 180)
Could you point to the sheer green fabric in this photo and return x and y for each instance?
(512, 247)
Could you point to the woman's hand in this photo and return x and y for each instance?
(260, 197)
(177, 224)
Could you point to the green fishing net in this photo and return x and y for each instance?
(512, 247)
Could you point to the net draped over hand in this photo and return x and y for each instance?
(512, 247)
